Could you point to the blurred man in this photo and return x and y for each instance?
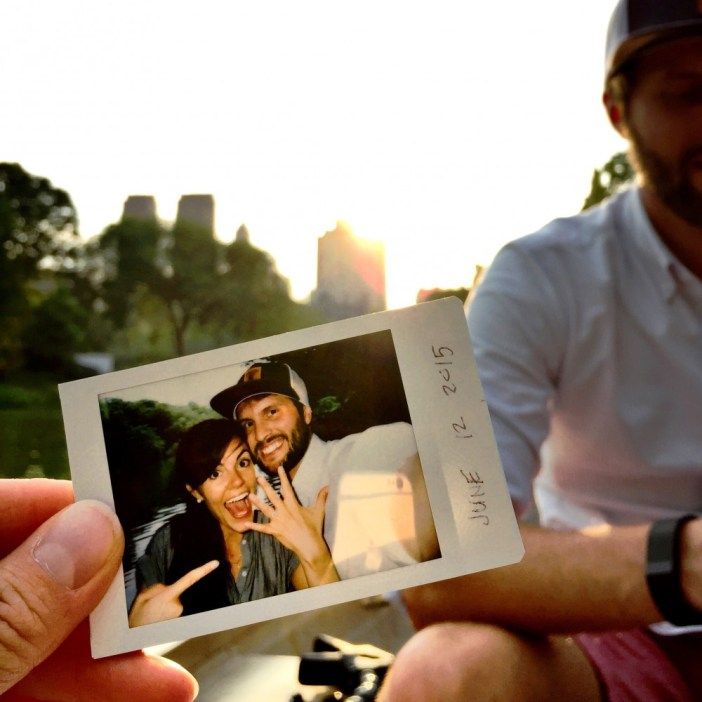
(378, 515)
(588, 336)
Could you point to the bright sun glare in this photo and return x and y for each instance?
(442, 129)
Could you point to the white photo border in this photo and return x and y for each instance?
(472, 511)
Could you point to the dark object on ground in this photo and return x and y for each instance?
(354, 670)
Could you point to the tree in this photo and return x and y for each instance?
(57, 328)
(38, 229)
(190, 292)
(176, 265)
(253, 298)
(37, 220)
(608, 179)
(129, 254)
(207, 292)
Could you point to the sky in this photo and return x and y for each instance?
(442, 129)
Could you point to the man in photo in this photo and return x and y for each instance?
(378, 515)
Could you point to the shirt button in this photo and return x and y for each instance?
(243, 572)
(243, 542)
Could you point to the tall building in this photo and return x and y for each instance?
(197, 209)
(139, 207)
(350, 274)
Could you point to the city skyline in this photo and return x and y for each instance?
(442, 131)
(350, 270)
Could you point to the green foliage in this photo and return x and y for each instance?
(146, 334)
(327, 405)
(37, 220)
(14, 397)
(183, 280)
(129, 250)
(174, 266)
(38, 226)
(140, 440)
(608, 179)
(253, 298)
(32, 442)
(56, 330)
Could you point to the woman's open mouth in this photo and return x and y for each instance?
(239, 506)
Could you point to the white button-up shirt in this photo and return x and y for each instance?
(370, 516)
(588, 338)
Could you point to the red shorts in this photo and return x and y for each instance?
(631, 667)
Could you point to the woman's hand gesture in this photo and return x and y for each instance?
(160, 602)
(298, 528)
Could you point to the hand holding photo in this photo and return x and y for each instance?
(290, 473)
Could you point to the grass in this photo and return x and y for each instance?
(32, 442)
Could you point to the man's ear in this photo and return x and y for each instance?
(307, 414)
(615, 112)
(198, 497)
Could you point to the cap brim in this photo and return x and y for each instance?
(225, 402)
(647, 39)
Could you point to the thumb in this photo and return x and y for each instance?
(53, 581)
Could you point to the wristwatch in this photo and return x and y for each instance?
(663, 572)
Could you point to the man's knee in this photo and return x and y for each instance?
(426, 604)
(455, 661)
(416, 601)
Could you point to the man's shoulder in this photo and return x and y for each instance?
(574, 235)
(395, 438)
(394, 430)
(581, 253)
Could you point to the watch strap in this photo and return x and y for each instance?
(663, 570)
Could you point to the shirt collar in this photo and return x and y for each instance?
(666, 268)
(311, 474)
(672, 276)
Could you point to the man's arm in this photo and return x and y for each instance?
(426, 545)
(567, 582)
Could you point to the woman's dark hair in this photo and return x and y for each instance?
(201, 448)
(196, 537)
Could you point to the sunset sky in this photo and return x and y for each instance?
(443, 129)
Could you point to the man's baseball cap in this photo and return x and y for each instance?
(260, 378)
(639, 24)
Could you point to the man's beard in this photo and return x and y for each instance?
(670, 181)
(298, 443)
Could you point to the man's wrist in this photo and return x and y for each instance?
(691, 562)
(667, 563)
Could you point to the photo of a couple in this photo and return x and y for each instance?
(288, 480)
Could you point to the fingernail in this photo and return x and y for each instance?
(77, 544)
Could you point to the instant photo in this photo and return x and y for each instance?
(217, 463)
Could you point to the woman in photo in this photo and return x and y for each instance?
(220, 551)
